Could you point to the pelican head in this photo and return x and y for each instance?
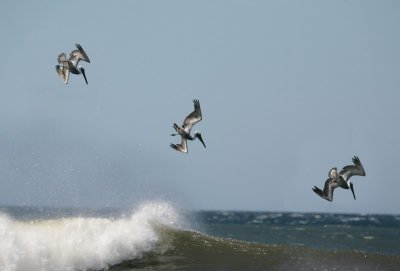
(198, 135)
(332, 173)
(83, 73)
(352, 190)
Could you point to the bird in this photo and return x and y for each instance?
(187, 126)
(342, 179)
(71, 65)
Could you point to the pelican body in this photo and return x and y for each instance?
(187, 126)
(71, 65)
(341, 180)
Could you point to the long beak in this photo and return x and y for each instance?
(352, 190)
(84, 75)
(201, 140)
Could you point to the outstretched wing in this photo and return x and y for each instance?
(351, 170)
(77, 55)
(63, 72)
(180, 147)
(330, 185)
(193, 117)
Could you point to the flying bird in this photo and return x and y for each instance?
(187, 126)
(71, 65)
(342, 179)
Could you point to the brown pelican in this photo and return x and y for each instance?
(71, 64)
(187, 125)
(342, 179)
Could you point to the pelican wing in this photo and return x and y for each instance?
(62, 58)
(63, 72)
(351, 170)
(77, 55)
(327, 193)
(330, 185)
(181, 147)
(193, 117)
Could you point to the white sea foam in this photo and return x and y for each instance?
(81, 243)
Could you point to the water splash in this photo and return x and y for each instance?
(81, 243)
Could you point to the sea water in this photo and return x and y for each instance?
(157, 236)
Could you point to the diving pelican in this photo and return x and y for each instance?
(71, 64)
(342, 179)
(187, 125)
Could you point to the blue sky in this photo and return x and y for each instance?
(288, 90)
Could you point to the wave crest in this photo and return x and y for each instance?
(81, 243)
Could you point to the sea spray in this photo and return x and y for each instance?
(81, 243)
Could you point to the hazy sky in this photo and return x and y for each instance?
(288, 89)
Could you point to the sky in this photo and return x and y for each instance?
(288, 89)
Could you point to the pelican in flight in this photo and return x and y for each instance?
(71, 65)
(187, 125)
(342, 179)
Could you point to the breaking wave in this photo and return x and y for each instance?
(82, 243)
(153, 237)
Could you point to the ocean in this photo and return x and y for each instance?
(159, 236)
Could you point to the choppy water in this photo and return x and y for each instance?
(369, 233)
(156, 236)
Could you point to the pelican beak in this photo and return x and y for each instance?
(352, 190)
(201, 140)
(84, 75)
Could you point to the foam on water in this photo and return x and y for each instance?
(81, 243)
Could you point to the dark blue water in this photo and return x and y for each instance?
(157, 236)
(370, 233)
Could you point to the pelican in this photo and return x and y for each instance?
(342, 179)
(187, 125)
(71, 65)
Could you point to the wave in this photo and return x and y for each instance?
(153, 237)
(191, 250)
(82, 243)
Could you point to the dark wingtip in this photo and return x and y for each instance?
(356, 161)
